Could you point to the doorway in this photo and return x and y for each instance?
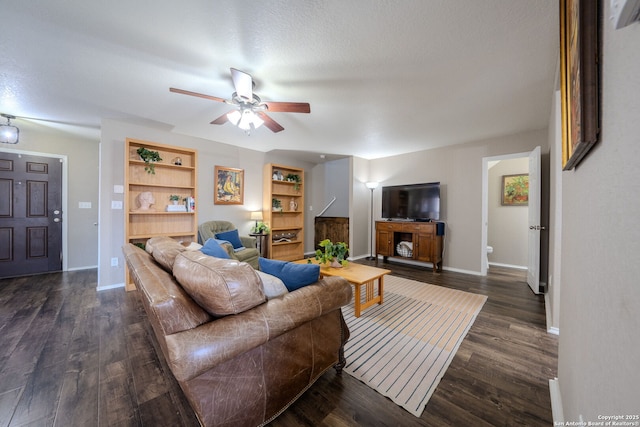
(521, 242)
(32, 230)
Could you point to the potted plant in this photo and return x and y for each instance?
(174, 199)
(333, 253)
(149, 156)
(260, 228)
(276, 205)
(295, 178)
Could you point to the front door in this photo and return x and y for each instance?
(30, 214)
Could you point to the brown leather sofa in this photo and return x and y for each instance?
(247, 367)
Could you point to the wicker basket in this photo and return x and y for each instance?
(405, 249)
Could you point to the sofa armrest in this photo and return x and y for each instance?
(192, 352)
(248, 241)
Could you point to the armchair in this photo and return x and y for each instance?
(208, 230)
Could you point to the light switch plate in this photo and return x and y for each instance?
(118, 189)
(116, 204)
(84, 205)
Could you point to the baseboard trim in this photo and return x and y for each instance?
(89, 267)
(556, 402)
(106, 288)
(547, 308)
(518, 267)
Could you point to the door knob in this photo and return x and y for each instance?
(56, 219)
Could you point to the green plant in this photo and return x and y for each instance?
(149, 156)
(332, 251)
(292, 177)
(261, 228)
(276, 204)
(174, 198)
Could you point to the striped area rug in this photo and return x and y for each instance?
(403, 347)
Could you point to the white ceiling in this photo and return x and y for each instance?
(383, 77)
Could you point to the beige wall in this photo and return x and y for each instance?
(459, 170)
(82, 186)
(210, 154)
(599, 349)
(508, 229)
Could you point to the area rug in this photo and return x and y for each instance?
(403, 347)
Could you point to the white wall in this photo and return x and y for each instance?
(599, 350)
(459, 170)
(508, 225)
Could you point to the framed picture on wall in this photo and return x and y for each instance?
(579, 78)
(515, 190)
(229, 186)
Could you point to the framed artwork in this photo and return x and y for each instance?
(580, 78)
(515, 190)
(229, 186)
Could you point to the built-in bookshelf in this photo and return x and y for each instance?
(148, 209)
(284, 184)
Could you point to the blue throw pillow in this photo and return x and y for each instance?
(232, 237)
(213, 248)
(293, 275)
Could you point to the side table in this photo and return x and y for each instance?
(260, 243)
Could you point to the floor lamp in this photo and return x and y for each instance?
(371, 185)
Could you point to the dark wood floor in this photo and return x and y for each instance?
(71, 356)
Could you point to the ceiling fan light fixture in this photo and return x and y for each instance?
(9, 134)
(245, 119)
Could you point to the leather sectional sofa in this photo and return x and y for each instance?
(241, 356)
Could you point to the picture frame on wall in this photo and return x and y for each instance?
(515, 190)
(580, 78)
(229, 186)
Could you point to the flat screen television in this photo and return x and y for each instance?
(418, 202)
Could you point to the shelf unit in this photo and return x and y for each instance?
(288, 223)
(169, 178)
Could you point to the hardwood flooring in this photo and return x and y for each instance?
(71, 356)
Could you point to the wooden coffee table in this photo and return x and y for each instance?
(357, 275)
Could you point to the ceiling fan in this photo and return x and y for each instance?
(249, 112)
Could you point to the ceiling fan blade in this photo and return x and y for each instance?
(288, 107)
(243, 83)
(199, 95)
(221, 120)
(269, 122)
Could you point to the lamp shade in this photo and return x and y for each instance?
(371, 185)
(256, 216)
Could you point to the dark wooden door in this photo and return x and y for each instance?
(30, 214)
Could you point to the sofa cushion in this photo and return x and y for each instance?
(213, 248)
(164, 250)
(273, 286)
(220, 286)
(232, 237)
(293, 275)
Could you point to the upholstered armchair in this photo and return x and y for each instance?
(208, 230)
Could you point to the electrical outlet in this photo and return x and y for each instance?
(114, 262)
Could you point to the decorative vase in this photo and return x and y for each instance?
(335, 263)
(293, 206)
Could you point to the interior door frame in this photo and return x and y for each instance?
(485, 201)
(63, 159)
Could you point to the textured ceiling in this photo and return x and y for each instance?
(382, 77)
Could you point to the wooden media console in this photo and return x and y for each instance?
(418, 241)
